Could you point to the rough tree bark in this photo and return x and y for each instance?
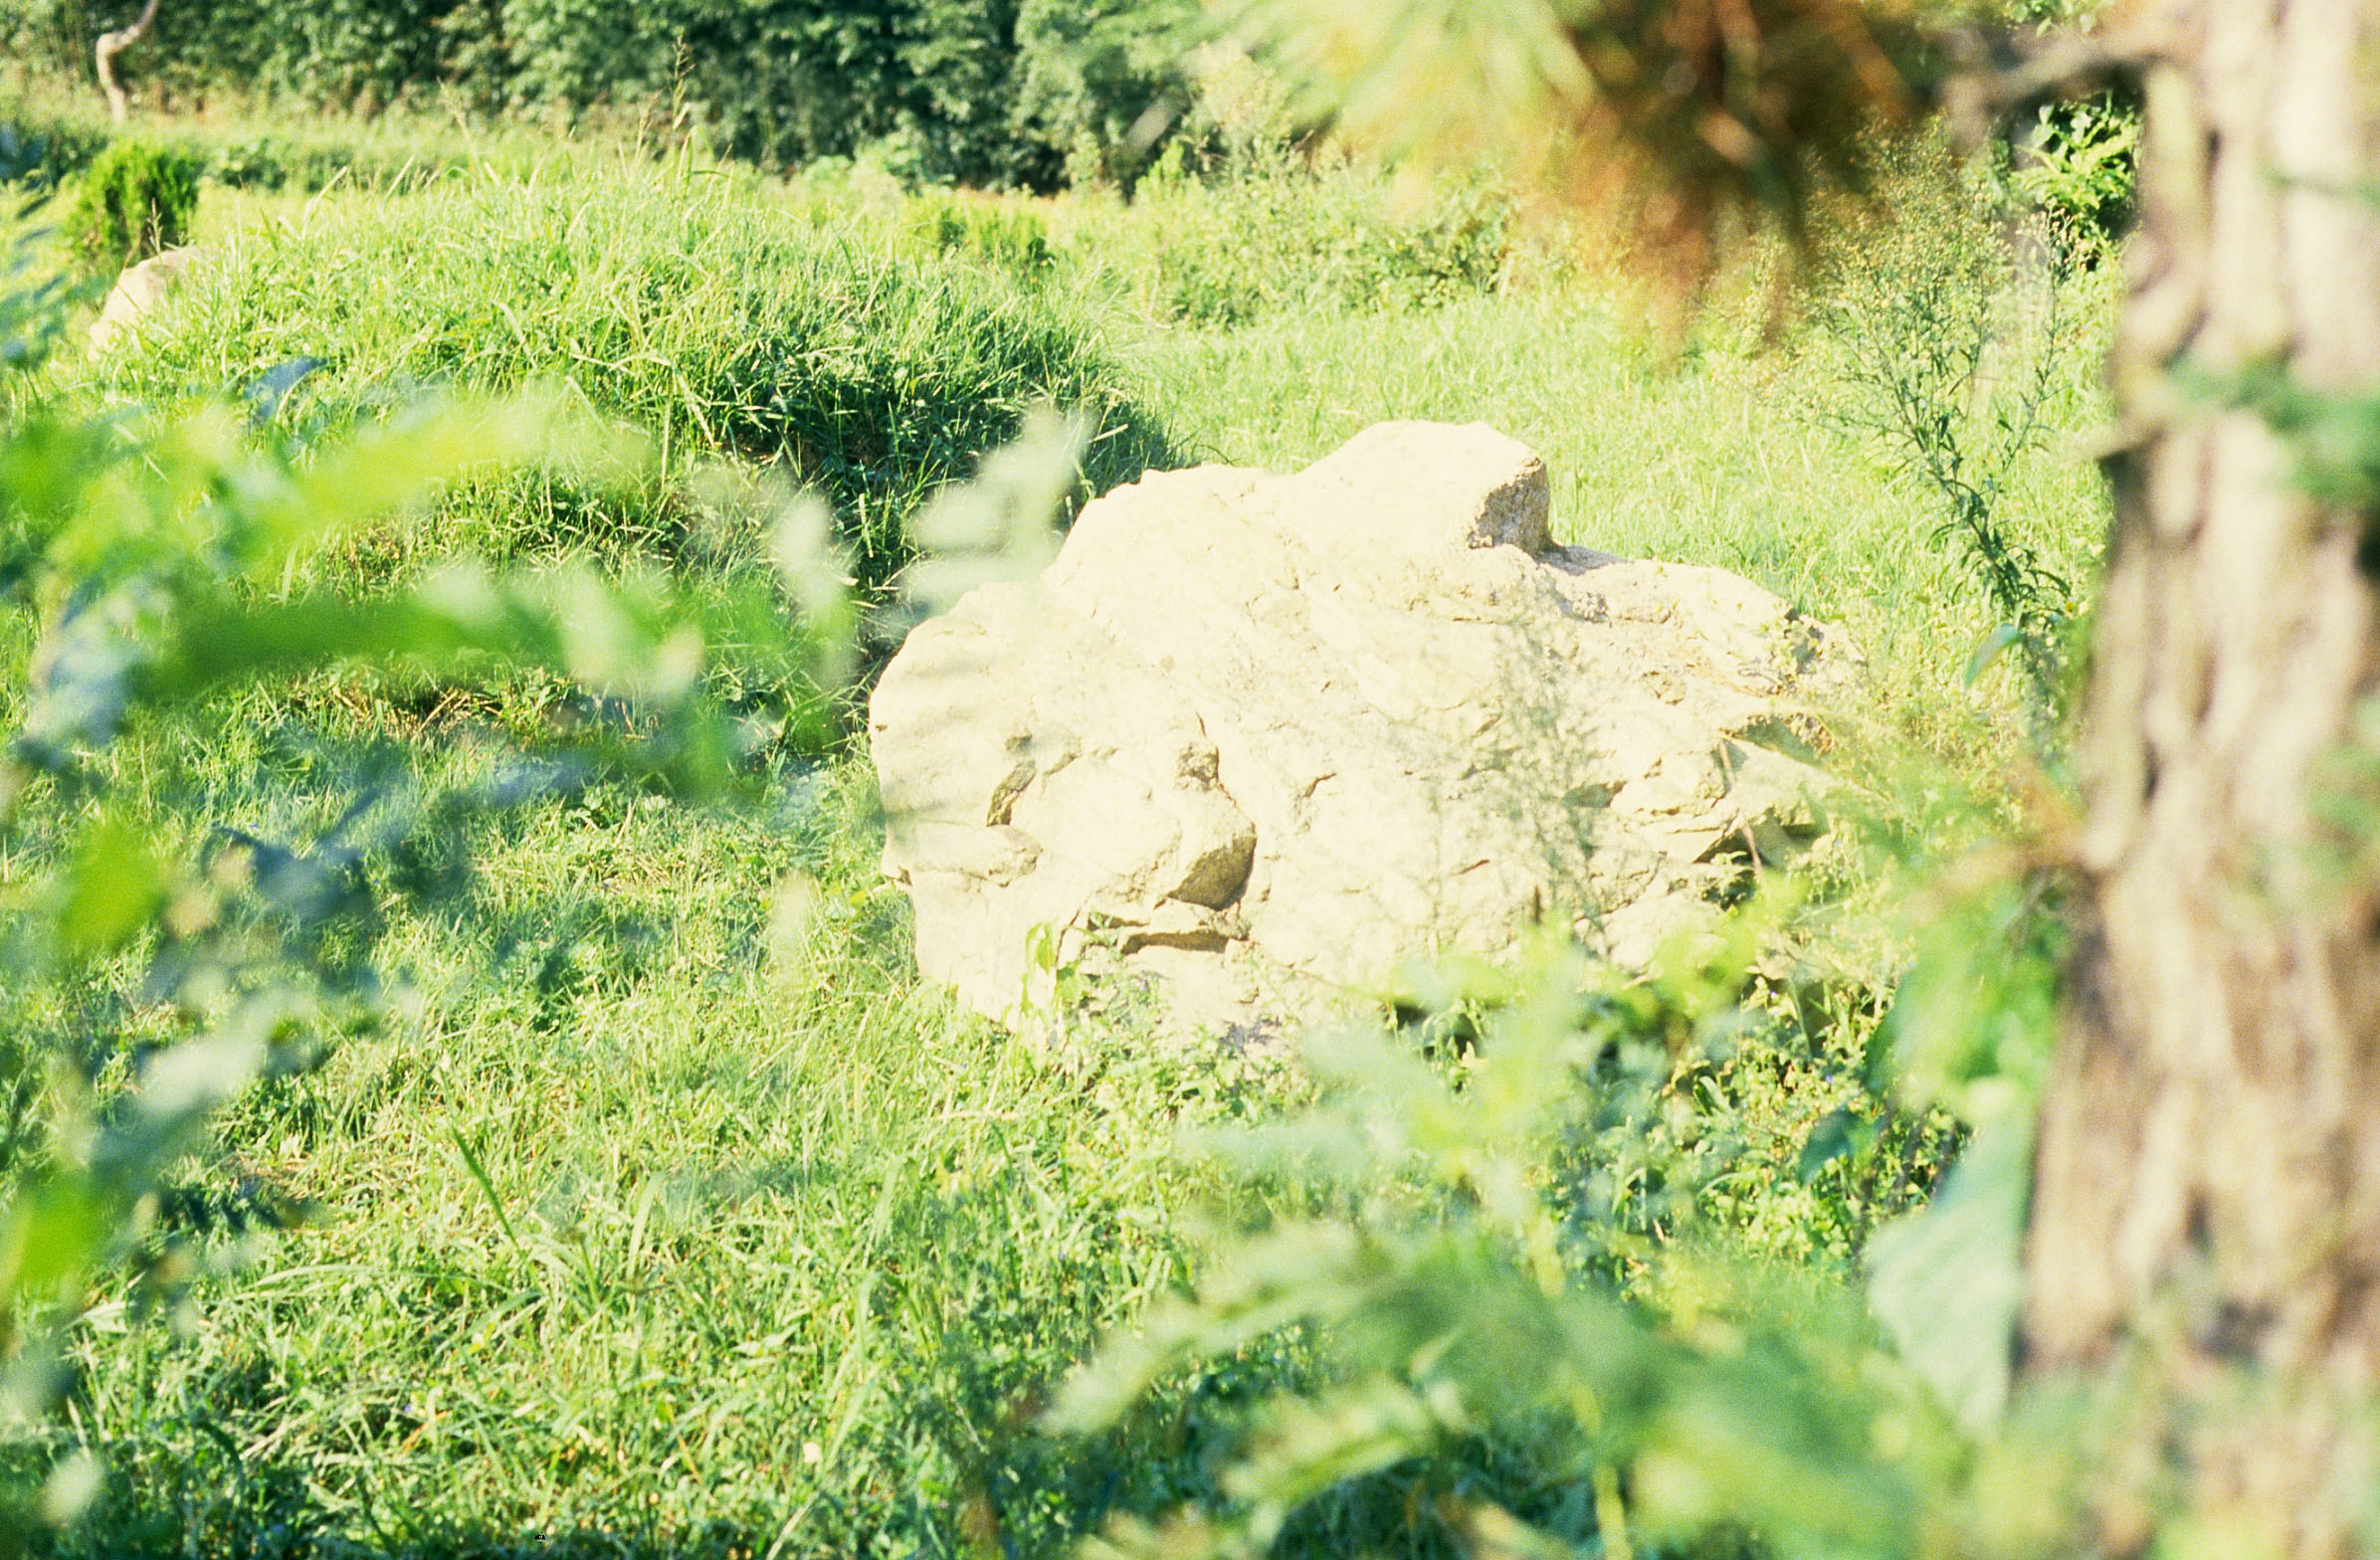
(113, 44)
(2206, 1223)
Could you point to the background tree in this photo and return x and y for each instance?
(2207, 1200)
(2204, 1236)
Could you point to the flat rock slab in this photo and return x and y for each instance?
(1253, 739)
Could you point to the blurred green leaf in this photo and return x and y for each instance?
(1839, 1133)
(50, 1236)
(1947, 1280)
(112, 888)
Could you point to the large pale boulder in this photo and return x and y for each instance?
(1255, 737)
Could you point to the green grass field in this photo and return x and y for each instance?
(666, 1222)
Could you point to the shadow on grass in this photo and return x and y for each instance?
(1039, 1499)
(183, 1491)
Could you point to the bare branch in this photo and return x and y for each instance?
(113, 44)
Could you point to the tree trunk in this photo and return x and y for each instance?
(2206, 1220)
(113, 44)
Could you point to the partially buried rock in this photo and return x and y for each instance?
(1253, 739)
(138, 291)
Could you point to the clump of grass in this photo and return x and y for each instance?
(1005, 235)
(676, 300)
(1274, 236)
(772, 1243)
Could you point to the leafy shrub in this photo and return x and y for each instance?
(136, 199)
(680, 303)
(2076, 168)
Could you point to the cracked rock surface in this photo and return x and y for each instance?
(1252, 739)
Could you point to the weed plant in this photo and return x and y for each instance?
(1955, 360)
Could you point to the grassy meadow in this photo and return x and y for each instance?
(672, 1214)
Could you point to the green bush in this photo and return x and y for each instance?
(684, 303)
(136, 199)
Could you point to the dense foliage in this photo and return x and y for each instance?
(989, 92)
